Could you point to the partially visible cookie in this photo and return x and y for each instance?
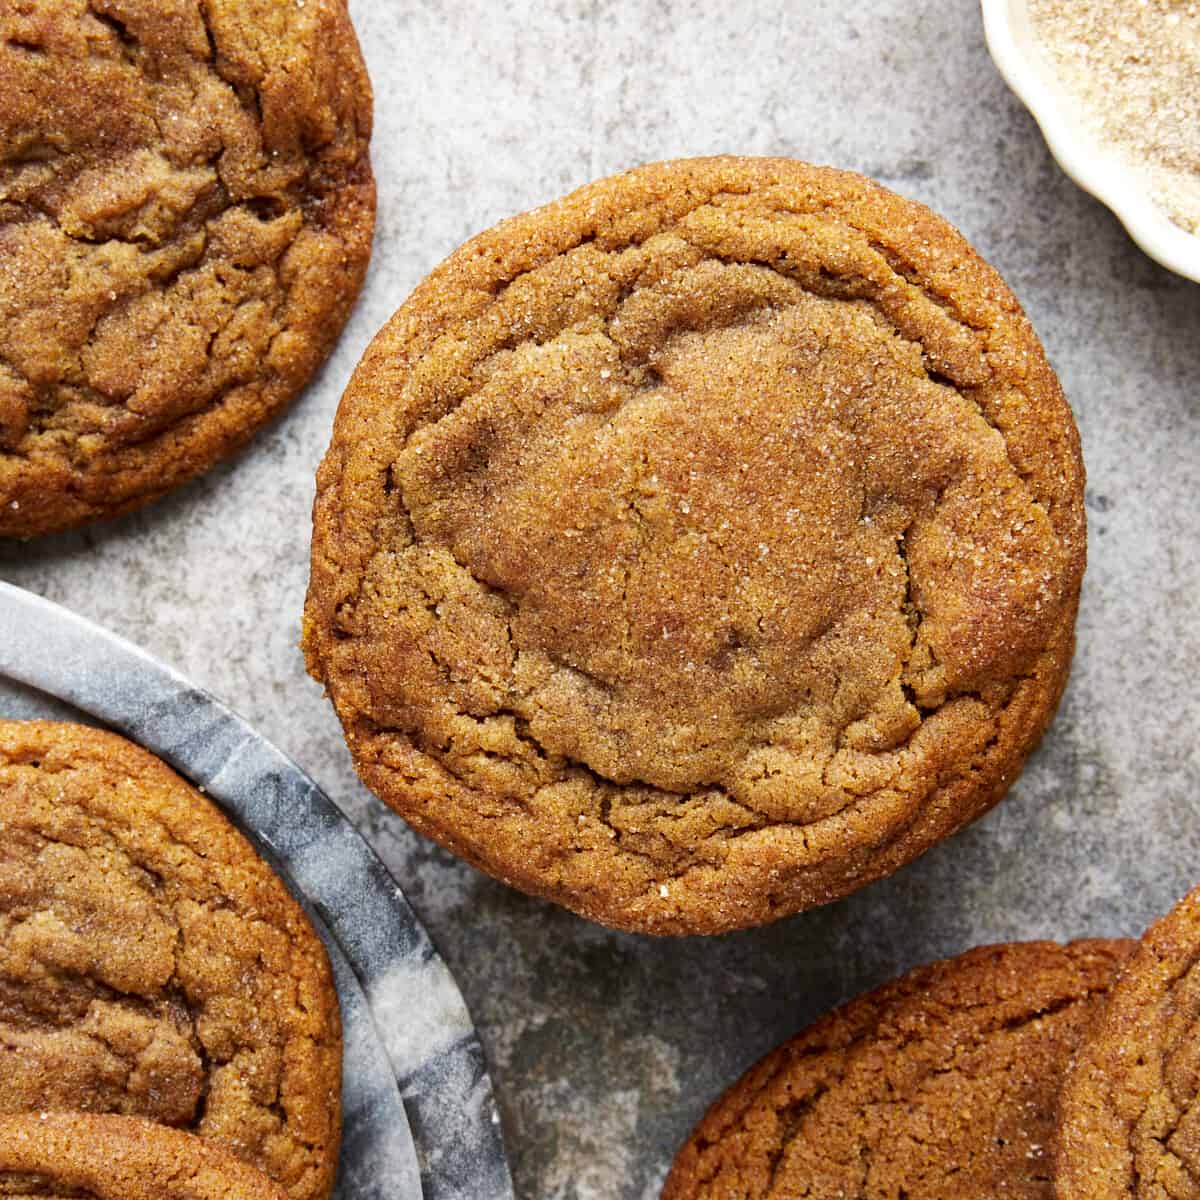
(119, 1158)
(1130, 1107)
(938, 1086)
(701, 546)
(152, 964)
(186, 212)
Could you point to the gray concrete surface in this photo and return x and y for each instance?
(606, 1048)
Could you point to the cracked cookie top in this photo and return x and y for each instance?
(938, 1086)
(186, 210)
(119, 1158)
(151, 964)
(696, 548)
(1130, 1108)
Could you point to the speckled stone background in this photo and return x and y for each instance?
(606, 1048)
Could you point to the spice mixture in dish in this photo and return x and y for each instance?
(700, 547)
(1133, 66)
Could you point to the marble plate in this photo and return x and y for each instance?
(420, 1118)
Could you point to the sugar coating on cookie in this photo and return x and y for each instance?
(186, 211)
(1130, 1108)
(119, 1158)
(701, 546)
(938, 1086)
(151, 964)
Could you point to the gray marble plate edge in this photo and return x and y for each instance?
(419, 1013)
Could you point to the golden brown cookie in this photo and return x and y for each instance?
(186, 210)
(120, 1158)
(938, 1086)
(1130, 1107)
(151, 964)
(700, 547)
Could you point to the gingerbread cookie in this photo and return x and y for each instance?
(1130, 1108)
(700, 547)
(152, 964)
(939, 1086)
(186, 211)
(119, 1158)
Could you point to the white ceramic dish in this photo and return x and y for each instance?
(1094, 167)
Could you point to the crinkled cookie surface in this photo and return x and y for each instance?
(941, 1085)
(1130, 1111)
(697, 548)
(55, 1154)
(151, 964)
(186, 211)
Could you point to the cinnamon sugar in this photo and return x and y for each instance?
(1133, 66)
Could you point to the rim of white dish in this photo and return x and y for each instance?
(1093, 167)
